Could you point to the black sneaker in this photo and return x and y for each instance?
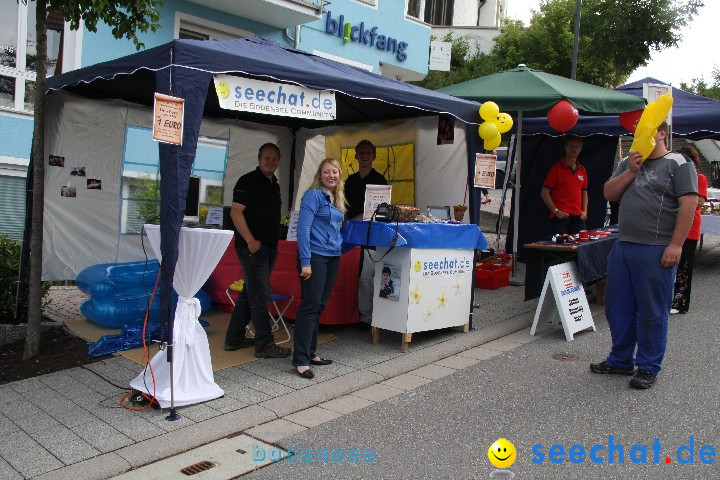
(604, 368)
(363, 327)
(643, 379)
(244, 343)
(272, 351)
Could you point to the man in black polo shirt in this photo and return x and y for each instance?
(355, 196)
(255, 213)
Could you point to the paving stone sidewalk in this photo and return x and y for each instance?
(70, 425)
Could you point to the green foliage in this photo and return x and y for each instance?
(616, 37)
(698, 86)
(9, 266)
(126, 17)
(464, 65)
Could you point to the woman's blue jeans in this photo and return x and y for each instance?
(315, 294)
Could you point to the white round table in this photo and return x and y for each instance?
(199, 251)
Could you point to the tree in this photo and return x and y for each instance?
(463, 65)
(698, 86)
(127, 18)
(616, 37)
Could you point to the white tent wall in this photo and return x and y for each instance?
(245, 140)
(440, 170)
(84, 230)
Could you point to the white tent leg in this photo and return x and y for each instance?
(515, 280)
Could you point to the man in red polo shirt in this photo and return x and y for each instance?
(565, 190)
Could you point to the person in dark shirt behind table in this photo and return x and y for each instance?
(355, 195)
(255, 213)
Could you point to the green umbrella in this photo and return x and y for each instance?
(533, 92)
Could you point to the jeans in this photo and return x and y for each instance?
(255, 297)
(637, 304)
(315, 294)
(570, 225)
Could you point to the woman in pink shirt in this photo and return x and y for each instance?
(683, 278)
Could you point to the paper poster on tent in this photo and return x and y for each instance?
(272, 98)
(292, 226)
(485, 170)
(568, 302)
(374, 196)
(168, 119)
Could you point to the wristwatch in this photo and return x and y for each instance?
(556, 210)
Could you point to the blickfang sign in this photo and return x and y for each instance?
(364, 36)
(270, 98)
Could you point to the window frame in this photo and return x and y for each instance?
(126, 199)
(20, 72)
(213, 30)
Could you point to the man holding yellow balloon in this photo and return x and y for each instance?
(658, 196)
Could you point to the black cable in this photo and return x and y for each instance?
(108, 381)
(147, 295)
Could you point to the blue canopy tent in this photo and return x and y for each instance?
(184, 68)
(693, 117)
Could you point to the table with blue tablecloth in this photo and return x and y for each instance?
(423, 274)
(590, 256)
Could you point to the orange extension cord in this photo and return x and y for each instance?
(151, 400)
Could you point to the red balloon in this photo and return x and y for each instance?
(562, 116)
(629, 119)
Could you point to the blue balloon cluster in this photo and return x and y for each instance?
(120, 293)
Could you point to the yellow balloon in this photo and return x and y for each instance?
(653, 116)
(504, 122)
(489, 111)
(488, 130)
(644, 146)
(493, 143)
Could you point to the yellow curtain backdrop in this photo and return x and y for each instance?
(395, 155)
(395, 163)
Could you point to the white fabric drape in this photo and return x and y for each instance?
(199, 251)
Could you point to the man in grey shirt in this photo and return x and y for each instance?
(658, 199)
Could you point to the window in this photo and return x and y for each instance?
(439, 12)
(140, 192)
(414, 8)
(396, 163)
(18, 53)
(434, 12)
(196, 28)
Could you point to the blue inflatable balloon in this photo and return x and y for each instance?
(120, 294)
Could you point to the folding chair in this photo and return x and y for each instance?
(277, 317)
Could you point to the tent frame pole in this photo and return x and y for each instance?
(515, 280)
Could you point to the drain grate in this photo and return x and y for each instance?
(565, 357)
(197, 468)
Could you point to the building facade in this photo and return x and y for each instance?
(479, 21)
(387, 37)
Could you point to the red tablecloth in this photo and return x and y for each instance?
(342, 307)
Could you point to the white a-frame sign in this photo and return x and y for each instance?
(570, 306)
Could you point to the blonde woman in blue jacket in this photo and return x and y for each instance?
(322, 210)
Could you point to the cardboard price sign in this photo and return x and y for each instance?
(168, 119)
(485, 170)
